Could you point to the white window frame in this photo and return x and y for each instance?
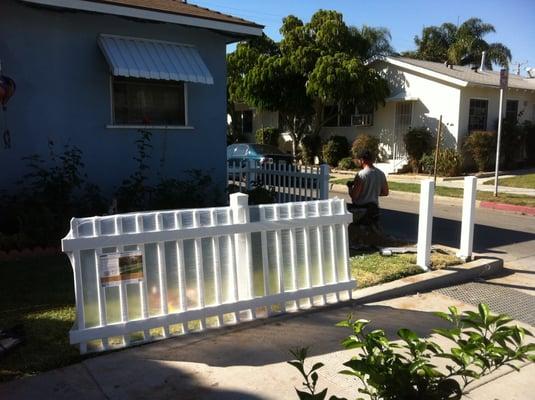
(113, 125)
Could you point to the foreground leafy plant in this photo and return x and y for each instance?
(393, 371)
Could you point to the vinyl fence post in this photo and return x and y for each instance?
(425, 224)
(469, 207)
(239, 204)
(324, 182)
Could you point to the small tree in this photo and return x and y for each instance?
(418, 141)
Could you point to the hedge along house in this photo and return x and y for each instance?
(93, 73)
(422, 91)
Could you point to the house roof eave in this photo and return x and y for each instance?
(424, 71)
(153, 15)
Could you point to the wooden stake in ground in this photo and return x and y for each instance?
(437, 147)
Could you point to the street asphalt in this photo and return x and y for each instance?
(497, 233)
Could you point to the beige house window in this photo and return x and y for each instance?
(477, 115)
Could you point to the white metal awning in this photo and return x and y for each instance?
(401, 96)
(153, 59)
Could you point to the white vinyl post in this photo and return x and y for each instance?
(425, 224)
(324, 182)
(469, 207)
(239, 203)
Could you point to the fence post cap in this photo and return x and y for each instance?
(239, 200)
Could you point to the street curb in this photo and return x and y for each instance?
(508, 207)
(429, 281)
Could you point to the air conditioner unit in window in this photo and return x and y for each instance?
(362, 119)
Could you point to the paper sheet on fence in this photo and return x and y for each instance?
(118, 268)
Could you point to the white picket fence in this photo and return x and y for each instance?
(290, 182)
(147, 276)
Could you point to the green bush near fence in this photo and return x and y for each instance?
(336, 148)
(449, 163)
(268, 136)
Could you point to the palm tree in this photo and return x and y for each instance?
(460, 45)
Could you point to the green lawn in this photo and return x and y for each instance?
(373, 269)
(521, 181)
(37, 293)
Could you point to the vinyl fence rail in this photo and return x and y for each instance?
(145, 276)
(290, 182)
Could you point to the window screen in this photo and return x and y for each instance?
(148, 102)
(477, 117)
(511, 110)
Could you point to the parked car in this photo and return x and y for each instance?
(262, 153)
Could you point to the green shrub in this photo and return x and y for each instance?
(54, 190)
(335, 149)
(392, 370)
(366, 142)
(347, 163)
(268, 136)
(310, 148)
(449, 162)
(418, 141)
(193, 191)
(529, 132)
(261, 195)
(481, 145)
(512, 141)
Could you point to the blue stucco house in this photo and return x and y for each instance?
(91, 73)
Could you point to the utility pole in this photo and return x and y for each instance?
(518, 65)
(504, 78)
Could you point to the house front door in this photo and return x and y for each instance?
(402, 125)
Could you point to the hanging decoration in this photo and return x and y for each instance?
(7, 90)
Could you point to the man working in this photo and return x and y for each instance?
(368, 185)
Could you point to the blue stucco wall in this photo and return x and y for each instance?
(63, 95)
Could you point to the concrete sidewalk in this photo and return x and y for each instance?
(249, 361)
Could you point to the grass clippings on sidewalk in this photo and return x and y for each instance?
(38, 294)
(521, 181)
(374, 269)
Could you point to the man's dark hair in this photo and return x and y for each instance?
(366, 155)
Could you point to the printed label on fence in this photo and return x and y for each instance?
(120, 268)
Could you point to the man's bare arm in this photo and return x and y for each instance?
(356, 189)
(384, 189)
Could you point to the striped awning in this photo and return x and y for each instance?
(153, 59)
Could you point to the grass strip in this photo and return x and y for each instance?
(374, 269)
(521, 181)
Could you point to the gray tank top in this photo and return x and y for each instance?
(373, 180)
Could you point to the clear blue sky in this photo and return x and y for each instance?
(514, 20)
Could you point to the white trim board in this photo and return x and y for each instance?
(427, 72)
(124, 11)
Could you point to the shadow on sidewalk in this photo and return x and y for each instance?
(270, 343)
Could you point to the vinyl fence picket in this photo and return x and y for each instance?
(225, 234)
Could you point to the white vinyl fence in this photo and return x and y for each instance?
(290, 182)
(146, 276)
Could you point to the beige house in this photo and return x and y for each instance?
(466, 97)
